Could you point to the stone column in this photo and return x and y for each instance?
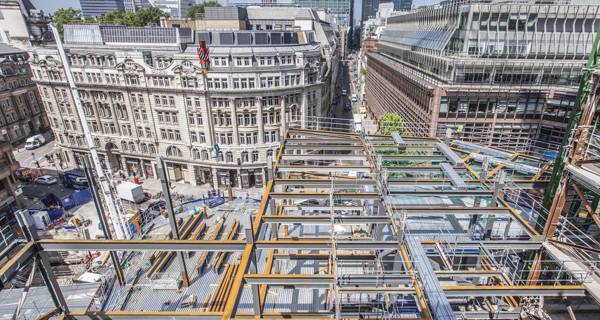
(284, 123)
(304, 109)
(234, 123)
(215, 179)
(259, 120)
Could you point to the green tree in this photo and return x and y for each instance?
(198, 9)
(141, 18)
(66, 16)
(146, 16)
(391, 122)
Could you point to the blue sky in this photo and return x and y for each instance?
(51, 6)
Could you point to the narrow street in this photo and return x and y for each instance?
(345, 79)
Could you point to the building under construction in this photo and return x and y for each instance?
(349, 226)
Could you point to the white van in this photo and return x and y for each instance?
(34, 141)
(354, 98)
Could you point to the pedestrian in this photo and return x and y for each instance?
(37, 164)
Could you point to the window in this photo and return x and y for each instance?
(220, 61)
(189, 82)
(287, 60)
(243, 61)
(173, 151)
(254, 156)
(229, 156)
(219, 102)
(160, 81)
(244, 157)
(266, 61)
(196, 154)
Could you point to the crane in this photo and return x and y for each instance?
(105, 181)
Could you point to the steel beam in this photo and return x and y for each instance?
(338, 182)
(327, 147)
(17, 260)
(491, 244)
(325, 244)
(325, 142)
(322, 169)
(141, 245)
(292, 280)
(338, 195)
(324, 219)
(136, 315)
(320, 156)
(392, 157)
(303, 207)
(325, 281)
(441, 211)
(446, 193)
(516, 291)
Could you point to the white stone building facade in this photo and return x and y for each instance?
(147, 99)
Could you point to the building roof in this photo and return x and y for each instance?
(279, 13)
(6, 49)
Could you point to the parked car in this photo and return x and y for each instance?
(344, 92)
(74, 178)
(46, 179)
(354, 98)
(34, 142)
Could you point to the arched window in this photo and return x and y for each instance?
(132, 147)
(123, 145)
(195, 154)
(228, 156)
(244, 156)
(151, 149)
(143, 148)
(254, 156)
(204, 155)
(174, 152)
(270, 154)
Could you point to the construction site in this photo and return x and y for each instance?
(349, 226)
(352, 224)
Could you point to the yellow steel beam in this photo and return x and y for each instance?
(236, 287)
(495, 170)
(28, 250)
(518, 216)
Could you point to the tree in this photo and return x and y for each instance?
(66, 16)
(141, 18)
(391, 122)
(147, 16)
(198, 9)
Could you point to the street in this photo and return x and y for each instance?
(27, 158)
(345, 80)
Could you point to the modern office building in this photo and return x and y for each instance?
(341, 10)
(507, 71)
(21, 110)
(402, 5)
(152, 98)
(97, 8)
(371, 7)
